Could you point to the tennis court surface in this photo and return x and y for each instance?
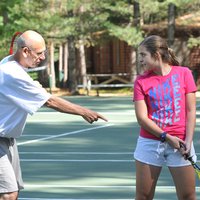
(65, 158)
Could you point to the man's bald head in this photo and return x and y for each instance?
(30, 39)
(31, 49)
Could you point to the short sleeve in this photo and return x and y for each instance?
(20, 88)
(138, 91)
(189, 82)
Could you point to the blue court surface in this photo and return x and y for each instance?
(65, 158)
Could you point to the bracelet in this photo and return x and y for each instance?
(163, 136)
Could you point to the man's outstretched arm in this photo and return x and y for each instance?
(65, 106)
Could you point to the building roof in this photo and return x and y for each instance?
(185, 26)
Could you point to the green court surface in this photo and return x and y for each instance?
(65, 158)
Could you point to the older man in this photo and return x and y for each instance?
(20, 96)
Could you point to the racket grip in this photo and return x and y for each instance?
(186, 156)
(182, 145)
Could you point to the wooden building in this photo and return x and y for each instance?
(111, 57)
(114, 56)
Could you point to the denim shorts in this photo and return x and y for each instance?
(154, 152)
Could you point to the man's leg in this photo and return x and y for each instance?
(9, 196)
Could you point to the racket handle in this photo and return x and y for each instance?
(186, 156)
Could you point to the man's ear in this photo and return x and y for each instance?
(25, 52)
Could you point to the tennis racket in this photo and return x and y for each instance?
(189, 158)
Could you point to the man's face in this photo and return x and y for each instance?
(35, 55)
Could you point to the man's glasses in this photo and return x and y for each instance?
(38, 54)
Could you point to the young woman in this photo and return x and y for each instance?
(165, 106)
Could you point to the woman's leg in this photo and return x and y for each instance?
(146, 179)
(184, 180)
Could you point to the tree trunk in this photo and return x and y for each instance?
(133, 55)
(60, 69)
(81, 63)
(52, 78)
(72, 82)
(133, 64)
(136, 13)
(65, 63)
(171, 23)
(5, 17)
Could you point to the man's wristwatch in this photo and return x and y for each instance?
(163, 137)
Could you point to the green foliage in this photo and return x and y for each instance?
(93, 21)
(193, 42)
(153, 11)
(36, 15)
(1, 21)
(34, 75)
(58, 20)
(129, 34)
(90, 21)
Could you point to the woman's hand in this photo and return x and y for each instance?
(174, 141)
(185, 149)
(177, 143)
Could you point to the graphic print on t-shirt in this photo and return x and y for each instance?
(165, 101)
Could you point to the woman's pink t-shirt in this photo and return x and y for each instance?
(165, 99)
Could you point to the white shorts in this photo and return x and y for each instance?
(154, 152)
(10, 171)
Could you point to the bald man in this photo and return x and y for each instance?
(20, 96)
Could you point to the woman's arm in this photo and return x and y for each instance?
(190, 119)
(144, 121)
(142, 118)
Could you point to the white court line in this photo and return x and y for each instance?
(35, 135)
(79, 160)
(32, 119)
(64, 134)
(104, 112)
(72, 199)
(96, 186)
(81, 153)
(77, 153)
(77, 186)
(66, 199)
(74, 160)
